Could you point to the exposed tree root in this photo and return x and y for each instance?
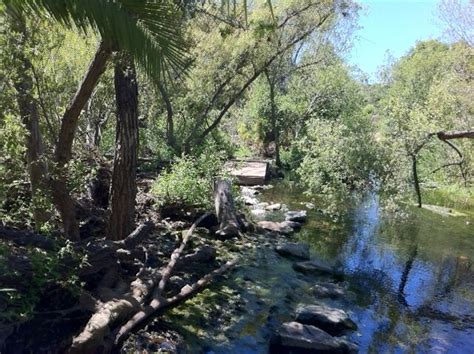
(103, 330)
(159, 303)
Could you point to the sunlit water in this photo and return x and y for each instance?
(411, 284)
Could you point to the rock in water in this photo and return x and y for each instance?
(332, 320)
(294, 337)
(272, 207)
(329, 290)
(249, 200)
(298, 250)
(315, 267)
(258, 212)
(279, 227)
(298, 216)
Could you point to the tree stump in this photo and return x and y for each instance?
(229, 224)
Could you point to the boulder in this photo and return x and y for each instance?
(333, 321)
(330, 290)
(294, 337)
(316, 267)
(273, 207)
(298, 250)
(298, 216)
(277, 227)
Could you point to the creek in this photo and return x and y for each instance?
(410, 281)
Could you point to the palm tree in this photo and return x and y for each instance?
(149, 31)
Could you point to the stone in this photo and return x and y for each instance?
(298, 250)
(273, 207)
(249, 191)
(261, 205)
(316, 267)
(294, 337)
(277, 227)
(298, 216)
(293, 224)
(332, 320)
(258, 212)
(249, 200)
(328, 290)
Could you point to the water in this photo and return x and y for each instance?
(411, 284)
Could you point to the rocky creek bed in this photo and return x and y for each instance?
(400, 300)
(303, 283)
(279, 299)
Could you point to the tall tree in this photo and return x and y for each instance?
(124, 189)
(149, 31)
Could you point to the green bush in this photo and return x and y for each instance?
(190, 180)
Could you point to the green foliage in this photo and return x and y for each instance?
(190, 180)
(338, 160)
(455, 196)
(150, 31)
(48, 270)
(14, 189)
(429, 90)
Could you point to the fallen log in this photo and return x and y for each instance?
(161, 304)
(26, 238)
(122, 307)
(165, 275)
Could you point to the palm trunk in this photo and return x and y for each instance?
(27, 105)
(124, 187)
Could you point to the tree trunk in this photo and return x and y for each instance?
(124, 187)
(170, 136)
(462, 134)
(27, 105)
(63, 151)
(416, 181)
(229, 224)
(274, 119)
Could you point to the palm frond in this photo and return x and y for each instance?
(149, 30)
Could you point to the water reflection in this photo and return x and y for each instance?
(412, 280)
(421, 286)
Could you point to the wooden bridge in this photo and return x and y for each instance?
(249, 172)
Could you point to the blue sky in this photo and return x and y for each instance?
(393, 26)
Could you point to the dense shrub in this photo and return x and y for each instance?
(190, 180)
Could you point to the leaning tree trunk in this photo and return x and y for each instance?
(37, 167)
(124, 187)
(63, 151)
(229, 223)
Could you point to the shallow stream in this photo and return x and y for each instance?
(411, 284)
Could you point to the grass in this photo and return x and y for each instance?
(450, 196)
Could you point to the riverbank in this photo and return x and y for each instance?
(410, 283)
(406, 285)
